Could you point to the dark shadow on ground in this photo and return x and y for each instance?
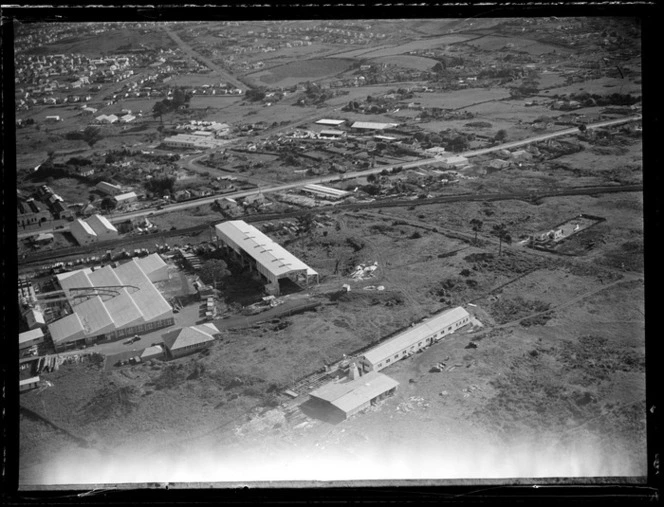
(312, 408)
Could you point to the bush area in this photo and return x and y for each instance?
(506, 310)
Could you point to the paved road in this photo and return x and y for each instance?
(346, 176)
(213, 66)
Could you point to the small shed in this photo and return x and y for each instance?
(30, 338)
(28, 383)
(153, 352)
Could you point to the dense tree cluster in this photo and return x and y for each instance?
(161, 185)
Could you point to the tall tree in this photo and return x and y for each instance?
(503, 235)
(213, 271)
(476, 224)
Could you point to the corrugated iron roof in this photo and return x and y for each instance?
(30, 335)
(352, 394)
(78, 226)
(66, 329)
(325, 121)
(152, 304)
(100, 224)
(187, 336)
(273, 257)
(371, 125)
(97, 315)
(151, 263)
(415, 334)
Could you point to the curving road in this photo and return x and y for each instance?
(346, 176)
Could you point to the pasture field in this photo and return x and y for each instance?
(108, 42)
(461, 99)
(534, 47)
(408, 61)
(298, 71)
(400, 49)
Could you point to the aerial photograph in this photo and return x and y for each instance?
(285, 251)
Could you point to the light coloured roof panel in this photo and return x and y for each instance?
(103, 277)
(187, 336)
(78, 226)
(151, 263)
(269, 254)
(413, 335)
(66, 329)
(35, 334)
(100, 224)
(152, 304)
(355, 393)
(325, 121)
(124, 310)
(371, 125)
(94, 316)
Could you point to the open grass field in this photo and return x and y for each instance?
(460, 99)
(392, 50)
(108, 42)
(407, 61)
(298, 71)
(532, 47)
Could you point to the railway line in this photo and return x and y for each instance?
(32, 260)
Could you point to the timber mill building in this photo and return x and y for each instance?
(276, 265)
(111, 303)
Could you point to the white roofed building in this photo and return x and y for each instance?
(154, 267)
(126, 198)
(83, 233)
(251, 247)
(343, 399)
(187, 340)
(331, 134)
(331, 123)
(30, 338)
(103, 228)
(325, 192)
(371, 126)
(414, 338)
(114, 312)
(108, 188)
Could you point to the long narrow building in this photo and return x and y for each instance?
(413, 339)
(252, 248)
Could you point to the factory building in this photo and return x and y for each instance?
(250, 247)
(83, 233)
(368, 126)
(331, 123)
(93, 229)
(325, 192)
(113, 313)
(340, 400)
(104, 229)
(414, 338)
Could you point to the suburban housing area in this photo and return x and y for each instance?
(330, 250)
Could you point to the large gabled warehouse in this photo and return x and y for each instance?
(413, 339)
(253, 248)
(114, 314)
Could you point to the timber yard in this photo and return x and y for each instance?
(330, 250)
